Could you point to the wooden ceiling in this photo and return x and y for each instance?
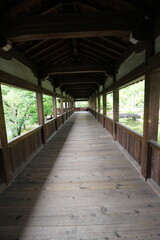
(76, 43)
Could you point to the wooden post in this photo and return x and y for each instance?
(61, 105)
(65, 105)
(115, 111)
(55, 110)
(69, 105)
(5, 164)
(99, 104)
(95, 107)
(104, 107)
(41, 115)
(104, 104)
(151, 117)
(98, 108)
(74, 104)
(54, 107)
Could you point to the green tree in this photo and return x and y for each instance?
(48, 106)
(132, 98)
(19, 108)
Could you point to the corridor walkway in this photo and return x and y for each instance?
(79, 187)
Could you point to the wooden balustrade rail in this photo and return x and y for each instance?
(132, 141)
(81, 109)
(22, 148)
(50, 128)
(24, 136)
(108, 124)
(154, 161)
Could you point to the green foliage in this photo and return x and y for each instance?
(81, 104)
(19, 108)
(131, 99)
(47, 105)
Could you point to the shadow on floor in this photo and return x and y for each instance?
(27, 193)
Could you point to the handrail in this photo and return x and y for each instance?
(23, 136)
(49, 121)
(131, 131)
(154, 145)
(108, 118)
(59, 116)
(100, 114)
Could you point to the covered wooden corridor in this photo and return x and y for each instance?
(80, 186)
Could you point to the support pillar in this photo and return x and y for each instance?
(94, 104)
(104, 108)
(65, 105)
(61, 100)
(99, 104)
(74, 104)
(98, 108)
(40, 110)
(151, 117)
(5, 164)
(115, 112)
(54, 107)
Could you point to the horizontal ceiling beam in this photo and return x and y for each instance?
(78, 80)
(80, 86)
(40, 27)
(78, 68)
(80, 89)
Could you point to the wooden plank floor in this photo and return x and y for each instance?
(79, 187)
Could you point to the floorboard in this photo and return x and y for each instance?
(80, 187)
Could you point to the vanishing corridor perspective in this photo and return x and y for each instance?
(80, 187)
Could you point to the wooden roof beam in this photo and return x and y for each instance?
(117, 44)
(37, 27)
(78, 80)
(103, 46)
(80, 88)
(87, 6)
(53, 53)
(78, 68)
(97, 57)
(47, 48)
(89, 58)
(58, 57)
(105, 54)
(29, 49)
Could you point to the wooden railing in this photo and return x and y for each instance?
(100, 118)
(59, 121)
(96, 115)
(108, 124)
(50, 128)
(22, 148)
(130, 140)
(154, 161)
(81, 109)
(64, 117)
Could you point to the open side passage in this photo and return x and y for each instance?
(80, 186)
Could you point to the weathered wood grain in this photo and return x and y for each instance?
(79, 187)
